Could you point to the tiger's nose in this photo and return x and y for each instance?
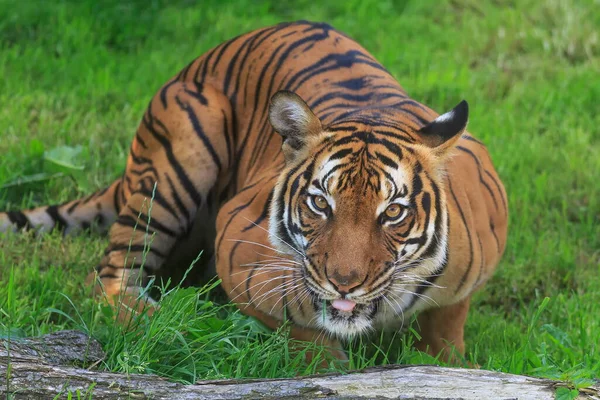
(344, 284)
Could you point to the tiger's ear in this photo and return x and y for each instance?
(294, 121)
(443, 132)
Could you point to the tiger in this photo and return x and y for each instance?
(323, 195)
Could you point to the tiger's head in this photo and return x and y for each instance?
(361, 207)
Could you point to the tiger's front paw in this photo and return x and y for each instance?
(127, 302)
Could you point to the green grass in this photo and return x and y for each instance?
(78, 74)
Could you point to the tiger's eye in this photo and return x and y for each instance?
(320, 202)
(393, 211)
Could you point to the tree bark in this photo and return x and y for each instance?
(42, 369)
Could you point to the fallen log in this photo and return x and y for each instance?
(42, 368)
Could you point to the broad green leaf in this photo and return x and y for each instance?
(64, 158)
(564, 393)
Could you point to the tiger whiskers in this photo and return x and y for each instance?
(403, 263)
(300, 297)
(293, 281)
(257, 244)
(264, 269)
(282, 266)
(398, 311)
(401, 288)
(402, 279)
(262, 297)
(284, 294)
(282, 290)
(282, 241)
(263, 282)
(318, 290)
(268, 270)
(275, 258)
(410, 279)
(268, 265)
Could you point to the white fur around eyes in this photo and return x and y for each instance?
(315, 192)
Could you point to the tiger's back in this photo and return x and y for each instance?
(228, 163)
(307, 58)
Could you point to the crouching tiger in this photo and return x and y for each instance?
(325, 194)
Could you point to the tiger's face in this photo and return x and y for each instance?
(363, 212)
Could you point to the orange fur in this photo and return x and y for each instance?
(224, 186)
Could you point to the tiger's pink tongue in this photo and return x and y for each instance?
(343, 305)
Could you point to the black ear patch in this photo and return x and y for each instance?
(446, 126)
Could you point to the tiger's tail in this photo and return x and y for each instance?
(98, 210)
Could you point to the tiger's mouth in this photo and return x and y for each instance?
(345, 323)
(343, 317)
(357, 310)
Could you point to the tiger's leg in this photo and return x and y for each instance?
(180, 150)
(442, 330)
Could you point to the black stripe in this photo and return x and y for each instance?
(493, 230)
(202, 68)
(340, 154)
(179, 170)
(232, 62)
(138, 138)
(343, 127)
(116, 204)
(193, 118)
(228, 141)
(178, 201)
(256, 153)
(113, 276)
(233, 213)
(432, 248)
(386, 160)
(163, 93)
(109, 275)
(183, 74)
(463, 278)
(149, 168)
(161, 201)
(222, 48)
(481, 261)
(138, 159)
(59, 221)
(402, 134)
(337, 61)
(396, 107)
(472, 139)
(242, 64)
(101, 192)
(154, 223)
(73, 206)
(263, 215)
(426, 202)
(197, 94)
(19, 219)
(140, 224)
(481, 180)
(250, 275)
(429, 282)
(369, 97)
(138, 248)
(488, 173)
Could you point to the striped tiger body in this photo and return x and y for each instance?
(328, 197)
